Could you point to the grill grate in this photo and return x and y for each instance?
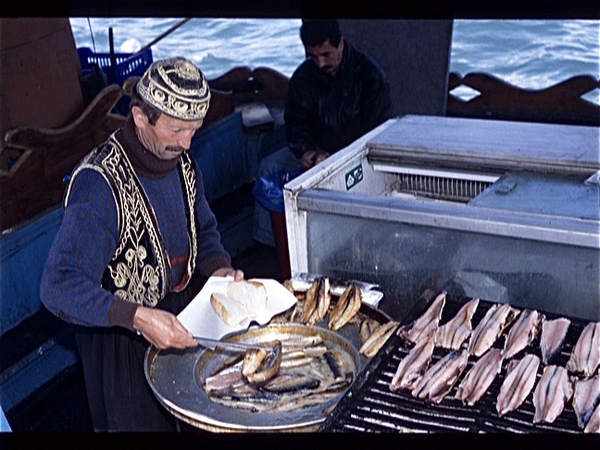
(369, 406)
(441, 188)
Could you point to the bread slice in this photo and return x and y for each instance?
(244, 300)
(251, 295)
(227, 309)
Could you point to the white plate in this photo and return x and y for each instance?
(200, 318)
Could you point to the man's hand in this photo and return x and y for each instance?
(312, 158)
(308, 159)
(162, 329)
(237, 275)
(321, 157)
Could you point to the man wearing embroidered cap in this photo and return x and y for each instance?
(136, 243)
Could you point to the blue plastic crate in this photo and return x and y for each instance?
(123, 70)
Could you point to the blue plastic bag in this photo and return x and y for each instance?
(268, 190)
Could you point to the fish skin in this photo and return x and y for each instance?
(341, 304)
(413, 366)
(523, 332)
(366, 328)
(593, 425)
(480, 377)
(413, 331)
(310, 302)
(351, 309)
(452, 334)
(586, 397)
(490, 328)
(551, 394)
(224, 379)
(324, 298)
(377, 339)
(585, 356)
(554, 333)
(517, 384)
(439, 379)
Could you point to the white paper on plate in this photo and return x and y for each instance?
(200, 318)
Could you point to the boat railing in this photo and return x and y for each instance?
(488, 97)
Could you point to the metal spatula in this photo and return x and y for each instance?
(238, 346)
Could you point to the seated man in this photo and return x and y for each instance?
(334, 97)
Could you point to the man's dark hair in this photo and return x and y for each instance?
(151, 112)
(318, 31)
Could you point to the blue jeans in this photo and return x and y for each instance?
(282, 160)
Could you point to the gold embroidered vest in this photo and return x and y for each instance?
(139, 270)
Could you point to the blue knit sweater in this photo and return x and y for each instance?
(88, 236)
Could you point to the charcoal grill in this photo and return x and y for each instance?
(370, 406)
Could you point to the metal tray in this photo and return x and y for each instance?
(176, 378)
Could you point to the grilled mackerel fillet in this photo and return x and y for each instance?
(452, 334)
(439, 379)
(377, 339)
(585, 356)
(551, 394)
(523, 332)
(585, 399)
(490, 328)
(413, 366)
(316, 304)
(346, 308)
(413, 331)
(554, 333)
(480, 377)
(517, 384)
(593, 425)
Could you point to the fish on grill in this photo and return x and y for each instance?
(585, 356)
(554, 333)
(346, 307)
(413, 331)
(479, 378)
(452, 334)
(497, 318)
(593, 425)
(585, 399)
(413, 365)
(551, 394)
(523, 332)
(377, 339)
(517, 384)
(439, 379)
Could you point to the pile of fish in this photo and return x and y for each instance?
(309, 373)
(482, 349)
(316, 303)
(304, 372)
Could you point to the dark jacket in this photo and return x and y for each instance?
(329, 113)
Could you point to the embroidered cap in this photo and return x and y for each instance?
(176, 87)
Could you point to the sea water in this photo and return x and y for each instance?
(531, 54)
